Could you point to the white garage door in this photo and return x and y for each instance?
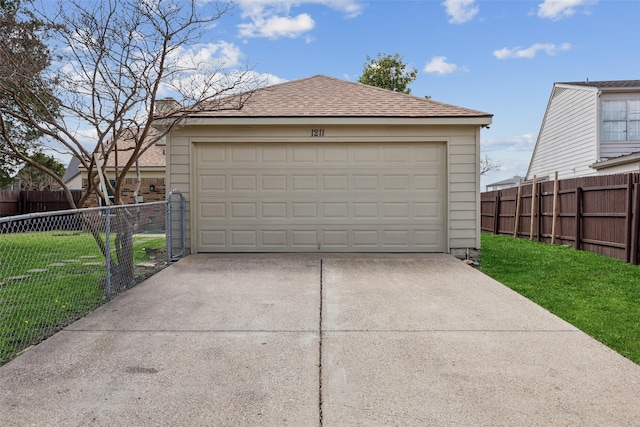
(341, 197)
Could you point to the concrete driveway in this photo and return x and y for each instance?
(320, 340)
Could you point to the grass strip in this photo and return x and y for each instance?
(50, 279)
(597, 294)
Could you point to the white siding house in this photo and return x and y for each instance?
(589, 128)
(320, 164)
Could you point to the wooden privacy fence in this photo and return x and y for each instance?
(599, 214)
(24, 202)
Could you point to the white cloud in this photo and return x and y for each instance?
(524, 142)
(460, 11)
(558, 9)
(206, 55)
(272, 18)
(439, 65)
(274, 27)
(530, 52)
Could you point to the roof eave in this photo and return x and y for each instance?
(617, 161)
(480, 120)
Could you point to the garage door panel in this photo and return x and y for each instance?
(427, 239)
(365, 210)
(214, 239)
(427, 183)
(365, 182)
(396, 182)
(212, 156)
(335, 182)
(245, 154)
(396, 210)
(304, 182)
(432, 155)
(395, 154)
(304, 210)
(243, 238)
(244, 210)
(273, 154)
(274, 210)
(212, 183)
(304, 238)
(274, 183)
(274, 238)
(335, 154)
(307, 154)
(213, 210)
(331, 197)
(241, 182)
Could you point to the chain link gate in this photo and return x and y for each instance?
(55, 267)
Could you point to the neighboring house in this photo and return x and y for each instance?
(321, 164)
(507, 183)
(152, 174)
(72, 176)
(589, 128)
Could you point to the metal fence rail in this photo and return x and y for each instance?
(57, 266)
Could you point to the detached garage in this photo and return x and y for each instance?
(325, 165)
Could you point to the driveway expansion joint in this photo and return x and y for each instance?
(320, 337)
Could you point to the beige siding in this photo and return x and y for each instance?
(461, 149)
(567, 142)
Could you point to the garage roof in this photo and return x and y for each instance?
(322, 96)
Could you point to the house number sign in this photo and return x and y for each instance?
(317, 132)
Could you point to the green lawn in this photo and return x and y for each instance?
(49, 279)
(596, 294)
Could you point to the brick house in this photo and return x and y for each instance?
(152, 164)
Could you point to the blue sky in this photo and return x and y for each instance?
(501, 57)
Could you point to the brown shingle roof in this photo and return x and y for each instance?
(322, 96)
(154, 156)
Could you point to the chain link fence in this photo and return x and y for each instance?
(55, 267)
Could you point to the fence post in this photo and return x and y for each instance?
(107, 255)
(183, 225)
(539, 229)
(628, 219)
(168, 233)
(532, 223)
(635, 225)
(554, 219)
(516, 226)
(578, 229)
(496, 215)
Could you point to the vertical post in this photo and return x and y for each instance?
(107, 246)
(533, 209)
(183, 225)
(635, 225)
(516, 226)
(167, 231)
(578, 228)
(496, 215)
(539, 212)
(628, 217)
(554, 219)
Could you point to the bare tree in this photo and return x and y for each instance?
(487, 164)
(110, 61)
(113, 60)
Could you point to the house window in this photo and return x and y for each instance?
(621, 120)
